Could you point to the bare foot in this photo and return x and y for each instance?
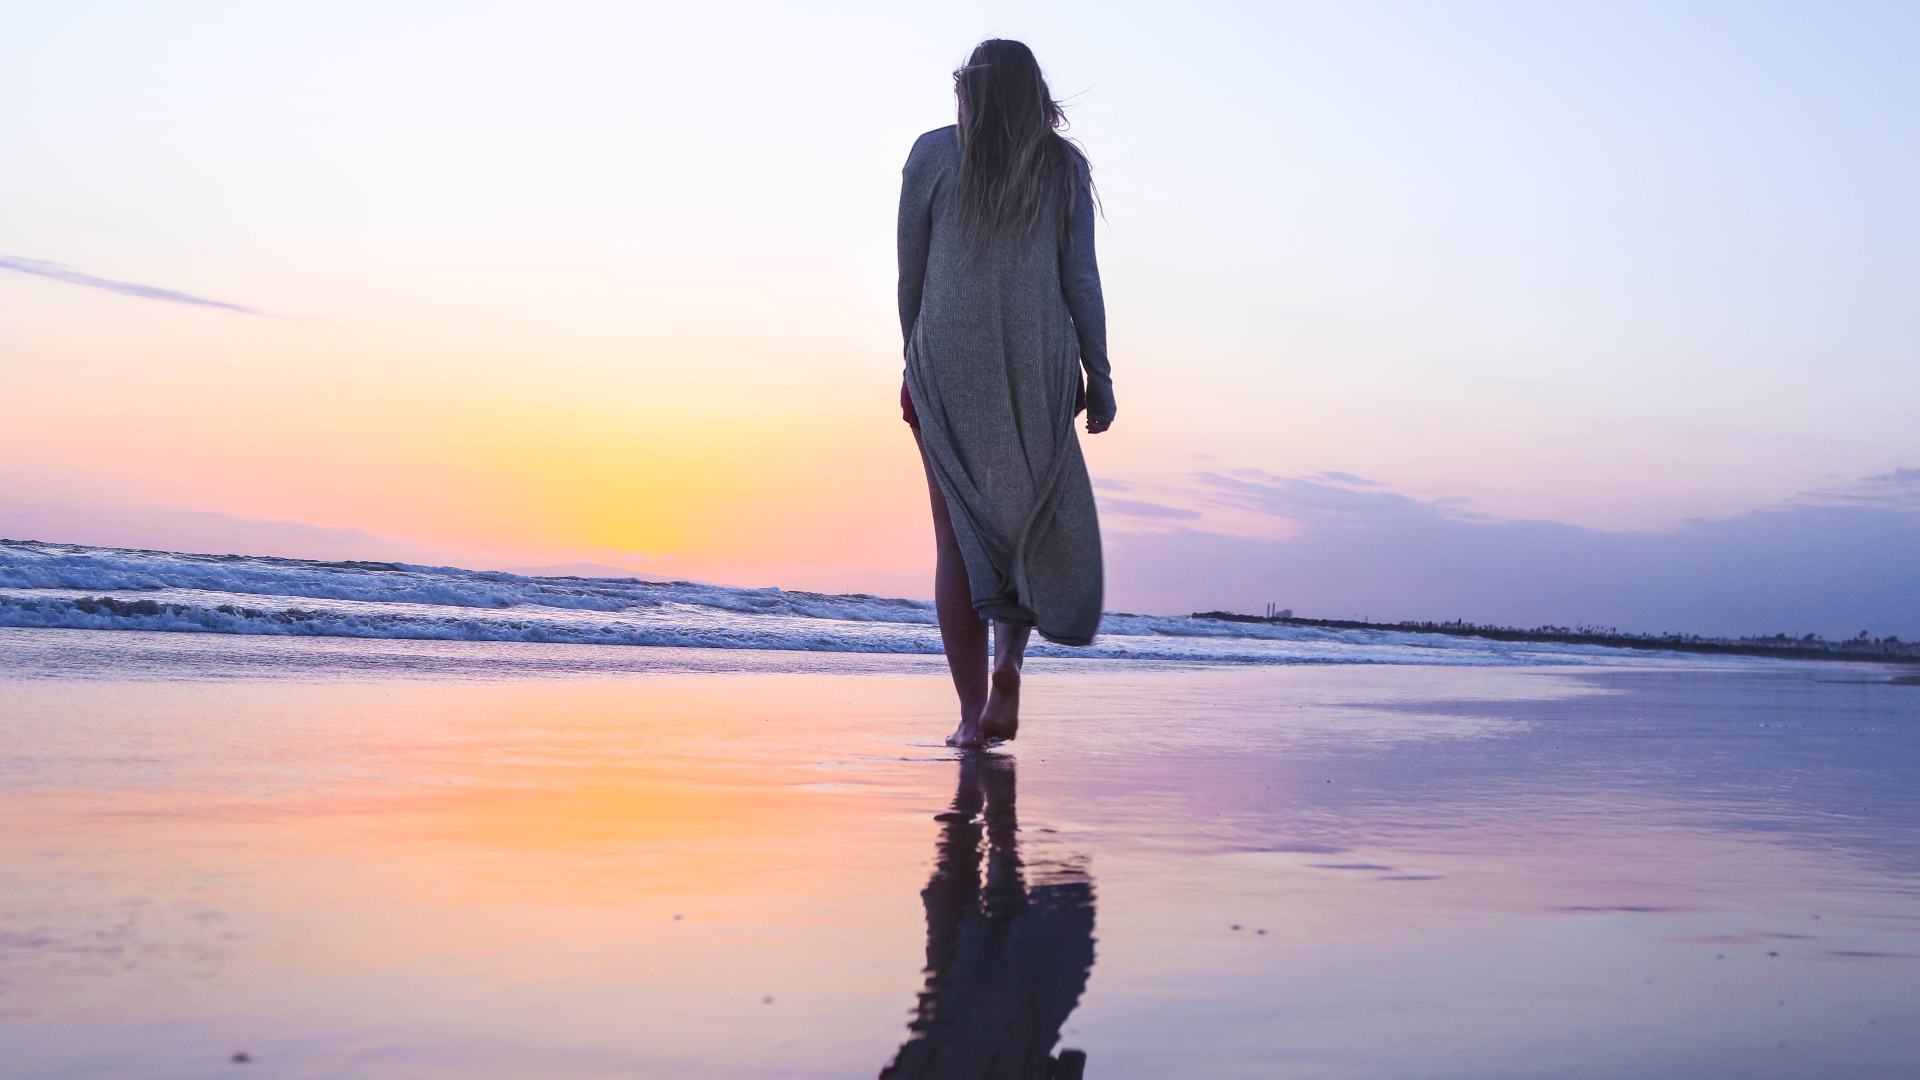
(967, 736)
(1000, 720)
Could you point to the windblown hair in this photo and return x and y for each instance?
(1015, 165)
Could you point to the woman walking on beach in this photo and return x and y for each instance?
(1001, 308)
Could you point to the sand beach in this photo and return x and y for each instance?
(389, 858)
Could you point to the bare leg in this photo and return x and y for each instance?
(1001, 717)
(962, 631)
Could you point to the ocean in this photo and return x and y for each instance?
(69, 586)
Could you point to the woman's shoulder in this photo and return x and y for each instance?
(938, 142)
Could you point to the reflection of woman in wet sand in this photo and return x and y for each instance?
(1001, 307)
(1006, 964)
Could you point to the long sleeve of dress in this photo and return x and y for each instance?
(917, 181)
(1080, 285)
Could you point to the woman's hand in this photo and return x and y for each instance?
(1095, 427)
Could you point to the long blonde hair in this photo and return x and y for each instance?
(1015, 165)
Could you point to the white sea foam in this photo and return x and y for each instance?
(69, 586)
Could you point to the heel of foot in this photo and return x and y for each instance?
(1000, 720)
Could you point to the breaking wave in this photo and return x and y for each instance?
(70, 586)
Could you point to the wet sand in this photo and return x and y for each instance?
(397, 859)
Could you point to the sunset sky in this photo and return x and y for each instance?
(1512, 312)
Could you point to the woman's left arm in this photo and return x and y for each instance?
(1080, 285)
(915, 233)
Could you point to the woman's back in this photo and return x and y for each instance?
(980, 293)
(1005, 255)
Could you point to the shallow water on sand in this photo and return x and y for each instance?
(428, 859)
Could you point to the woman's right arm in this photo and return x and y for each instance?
(1080, 285)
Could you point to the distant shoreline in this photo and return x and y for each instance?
(1886, 651)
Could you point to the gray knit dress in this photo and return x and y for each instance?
(995, 343)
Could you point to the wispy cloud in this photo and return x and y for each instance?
(1349, 478)
(1310, 498)
(1146, 509)
(42, 268)
(1896, 490)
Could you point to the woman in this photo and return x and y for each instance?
(1000, 304)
